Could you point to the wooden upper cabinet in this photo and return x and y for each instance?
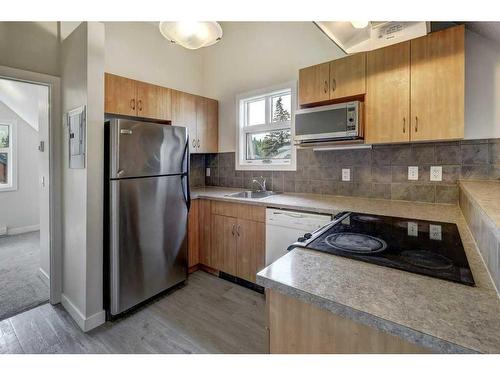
(341, 78)
(438, 85)
(209, 135)
(124, 96)
(201, 123)
(120, 95)
(184, 114)
(153, 101)
(314, 84)
(387, 104)
(347, 76)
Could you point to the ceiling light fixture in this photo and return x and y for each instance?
(359, 24)
(190, 34)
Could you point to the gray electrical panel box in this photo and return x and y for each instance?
(76, 121)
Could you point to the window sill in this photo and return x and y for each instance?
(7, 189)
(266, 167)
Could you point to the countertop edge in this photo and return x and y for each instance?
(406, 333)
(463, 186)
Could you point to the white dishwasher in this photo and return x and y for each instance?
(283, 227)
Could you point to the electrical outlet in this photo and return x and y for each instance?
(346, 174)
(436, 173)
(207, 172)
(412, 229)
(435, 232)
(413, 173)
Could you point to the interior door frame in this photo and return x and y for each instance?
(55, 158)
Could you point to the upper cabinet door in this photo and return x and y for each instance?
(153, 101)
(388, 94)
(438, 85)
(208, 125)
(314, 84)
(184, 114)
(201, 122)
(120, 95)
(348, 76)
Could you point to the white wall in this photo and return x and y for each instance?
(82, 68)
(253, 55)
(19, 208)
(482, 87)
(137, 50)
(32, 46)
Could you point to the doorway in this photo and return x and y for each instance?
(29, 208)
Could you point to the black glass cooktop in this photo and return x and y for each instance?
(424, 247)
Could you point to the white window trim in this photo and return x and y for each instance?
(241, 141)
(12, 166)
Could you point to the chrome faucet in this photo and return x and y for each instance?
(262, 183)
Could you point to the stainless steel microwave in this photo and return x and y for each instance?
(328, 123)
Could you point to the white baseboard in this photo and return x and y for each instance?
(43, 275)
(20, 230)
(85, 324)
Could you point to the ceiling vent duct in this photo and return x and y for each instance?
(359, 36)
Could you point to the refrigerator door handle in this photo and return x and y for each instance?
(185, 175)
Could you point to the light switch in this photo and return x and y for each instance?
(207, 172)
(413, 173)
(436, 173)
(346, 174)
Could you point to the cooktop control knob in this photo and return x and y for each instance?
(301, 239)
(307, 236)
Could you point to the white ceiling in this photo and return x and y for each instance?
(490, 30)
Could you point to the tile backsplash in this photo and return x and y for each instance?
(380, 172)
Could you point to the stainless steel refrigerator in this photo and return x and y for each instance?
(147, 203)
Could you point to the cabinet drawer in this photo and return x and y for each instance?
(239, 210)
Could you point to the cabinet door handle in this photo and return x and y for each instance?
(232, 230)
(198, 143)
(238, 230)
(416, 124)
(194, 143)
(326, 87)
(139, 104)
(404, 124)
(132, 104)
(334, 84)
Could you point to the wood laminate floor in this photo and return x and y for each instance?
(207, 315)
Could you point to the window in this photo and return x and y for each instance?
(7, 157)
(265, 129)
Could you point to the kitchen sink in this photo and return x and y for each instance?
(252, 194)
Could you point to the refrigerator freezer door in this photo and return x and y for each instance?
(146, 149)
(148, 237)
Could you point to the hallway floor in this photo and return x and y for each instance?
(21, 287)
(207, 315)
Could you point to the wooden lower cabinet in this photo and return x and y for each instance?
(295, 327)
(251, 245)
(227, 237)
(224, 244)
(193, 235)
(205, 231)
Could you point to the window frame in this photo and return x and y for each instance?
(242, 130)
(12, 157)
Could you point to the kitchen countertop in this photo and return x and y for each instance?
(486, 194)
(441, 315)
